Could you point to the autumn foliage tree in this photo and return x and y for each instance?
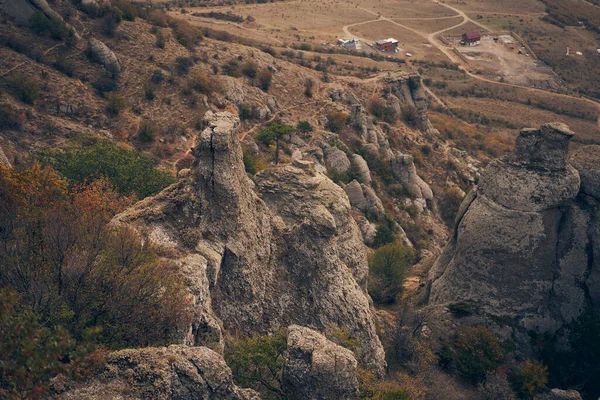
(72, 269)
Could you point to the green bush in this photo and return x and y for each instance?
(146, 133)
(273, 133)
(128, 170)
(251, 163)
(41, 25)
(89, 274)
(473, 352)
(30, 354)
(116, 103)
(385, 232)
(258, 362)
(529, 379)
(27, 89)
(304, 127)
(387, 269)
(461, 309)
(128, 9)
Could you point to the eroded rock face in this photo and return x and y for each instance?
(165, 373)
(524, 239)
(408, 89)
(404, 171)
(260, 257)
(316, 368)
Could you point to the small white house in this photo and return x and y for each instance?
(349, 44)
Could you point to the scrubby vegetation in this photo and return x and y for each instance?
(388, 266)
(472, 353)
(129, 171)
(257, 363)
(68, 280)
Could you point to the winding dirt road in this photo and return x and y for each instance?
(449, 52)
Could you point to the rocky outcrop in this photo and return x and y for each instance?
(22, 11)
(316, 368)
(261, 256)
(409, 91)
(364, 198)
(171, 373)
(361, 168)
(105, 56)
(335, 159)
(251, 99)
(404, 171)
(525, 240)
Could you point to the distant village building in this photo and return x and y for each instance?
(349, 44)
(389, 45)
(471, 38)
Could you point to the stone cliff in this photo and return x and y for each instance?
(261, 256)
(526, 240)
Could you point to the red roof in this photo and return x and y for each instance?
(472, 35)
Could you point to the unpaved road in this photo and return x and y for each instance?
(449, 52)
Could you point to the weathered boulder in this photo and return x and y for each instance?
(523, 243)
(316, 368)
(559, 394)
(374, 204)
(405, 172)
(335, 159)
(261, 256)
(364, 198)
(162, 373)
(355, 195)
(105, 56)
(361, 168)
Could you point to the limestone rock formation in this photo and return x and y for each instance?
(335, 159)
(525, 242)
(364, 198)
(361, 168)
(408, 89)
(171, 373)
(404, 171)
(260, 257)
(316, 368)
(23, 10)
(104, 56)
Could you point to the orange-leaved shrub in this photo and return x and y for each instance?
(72, 269)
